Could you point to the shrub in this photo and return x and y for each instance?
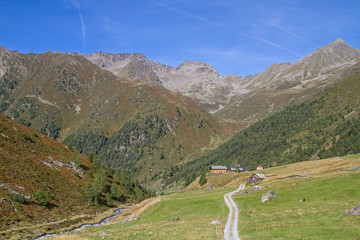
(202, 179)
(41, 198)
(17, 197)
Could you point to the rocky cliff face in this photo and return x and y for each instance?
(128, 65)
(5, 56)
(234, 97)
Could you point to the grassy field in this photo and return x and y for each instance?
(328, 187)
(196, 209)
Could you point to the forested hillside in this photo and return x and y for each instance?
(41, 179)
(137, 127)
(324, 126)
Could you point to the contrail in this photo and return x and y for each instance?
(271, 44)
(186, 13)
(82, 24)
(336, 20)
(294, 34)
(219, 25)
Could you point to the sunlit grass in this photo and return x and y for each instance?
(196, 209)
(328, 187)
(319, 217)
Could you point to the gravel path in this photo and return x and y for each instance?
(231, 231)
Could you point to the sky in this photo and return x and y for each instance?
(234, 36)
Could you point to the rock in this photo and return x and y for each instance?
(354, 211)
(353, 168)
(129, 219)
(255, 188)
(174, 219)
(215, 222)
(268, 196)
(210, 188)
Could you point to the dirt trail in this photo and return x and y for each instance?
(231, 229)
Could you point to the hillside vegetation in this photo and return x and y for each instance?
(324, 126)
(130, 125)
(45, 186)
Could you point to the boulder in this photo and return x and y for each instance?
(354, 211)
(210, 188)
(268, 196)
(255, 188)
(129, 219)
(174, 219)
(215, 222)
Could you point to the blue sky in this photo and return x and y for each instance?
(234, 36)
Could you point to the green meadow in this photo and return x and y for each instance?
(328, 187)
(195, 209)
(318, 217)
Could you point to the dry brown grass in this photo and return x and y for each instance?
(312, 169)
(136, 209)
(219, 181)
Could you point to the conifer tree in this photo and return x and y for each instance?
(202, 179)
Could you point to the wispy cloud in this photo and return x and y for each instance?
(294, 34)
(82, 24)
(186, 13)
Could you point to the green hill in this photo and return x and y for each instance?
(44, 182)
(138, 127)
(325, 126)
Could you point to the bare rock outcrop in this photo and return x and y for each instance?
(210, 188)
(174, 219)
(129, 219)
(354, 211)
(255, 188)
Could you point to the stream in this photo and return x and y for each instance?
(103, 221)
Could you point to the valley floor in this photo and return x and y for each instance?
(329, 187)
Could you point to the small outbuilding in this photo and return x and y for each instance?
(260, 167)
(218, 169)
(233, 169)
(255, 178)
(242, 169)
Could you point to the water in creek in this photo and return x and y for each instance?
(105, 220)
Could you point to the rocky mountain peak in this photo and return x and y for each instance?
(335, 55)
(338, 41)
(337, 52)
(189, 67)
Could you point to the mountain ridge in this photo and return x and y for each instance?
(70, 99)
(139, 124)
(324, 126)
(221, 95)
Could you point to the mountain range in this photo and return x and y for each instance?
(150, 119)
(136, 126)
(324, 126)
(247, 98)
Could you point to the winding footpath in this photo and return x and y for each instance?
(231, 230)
